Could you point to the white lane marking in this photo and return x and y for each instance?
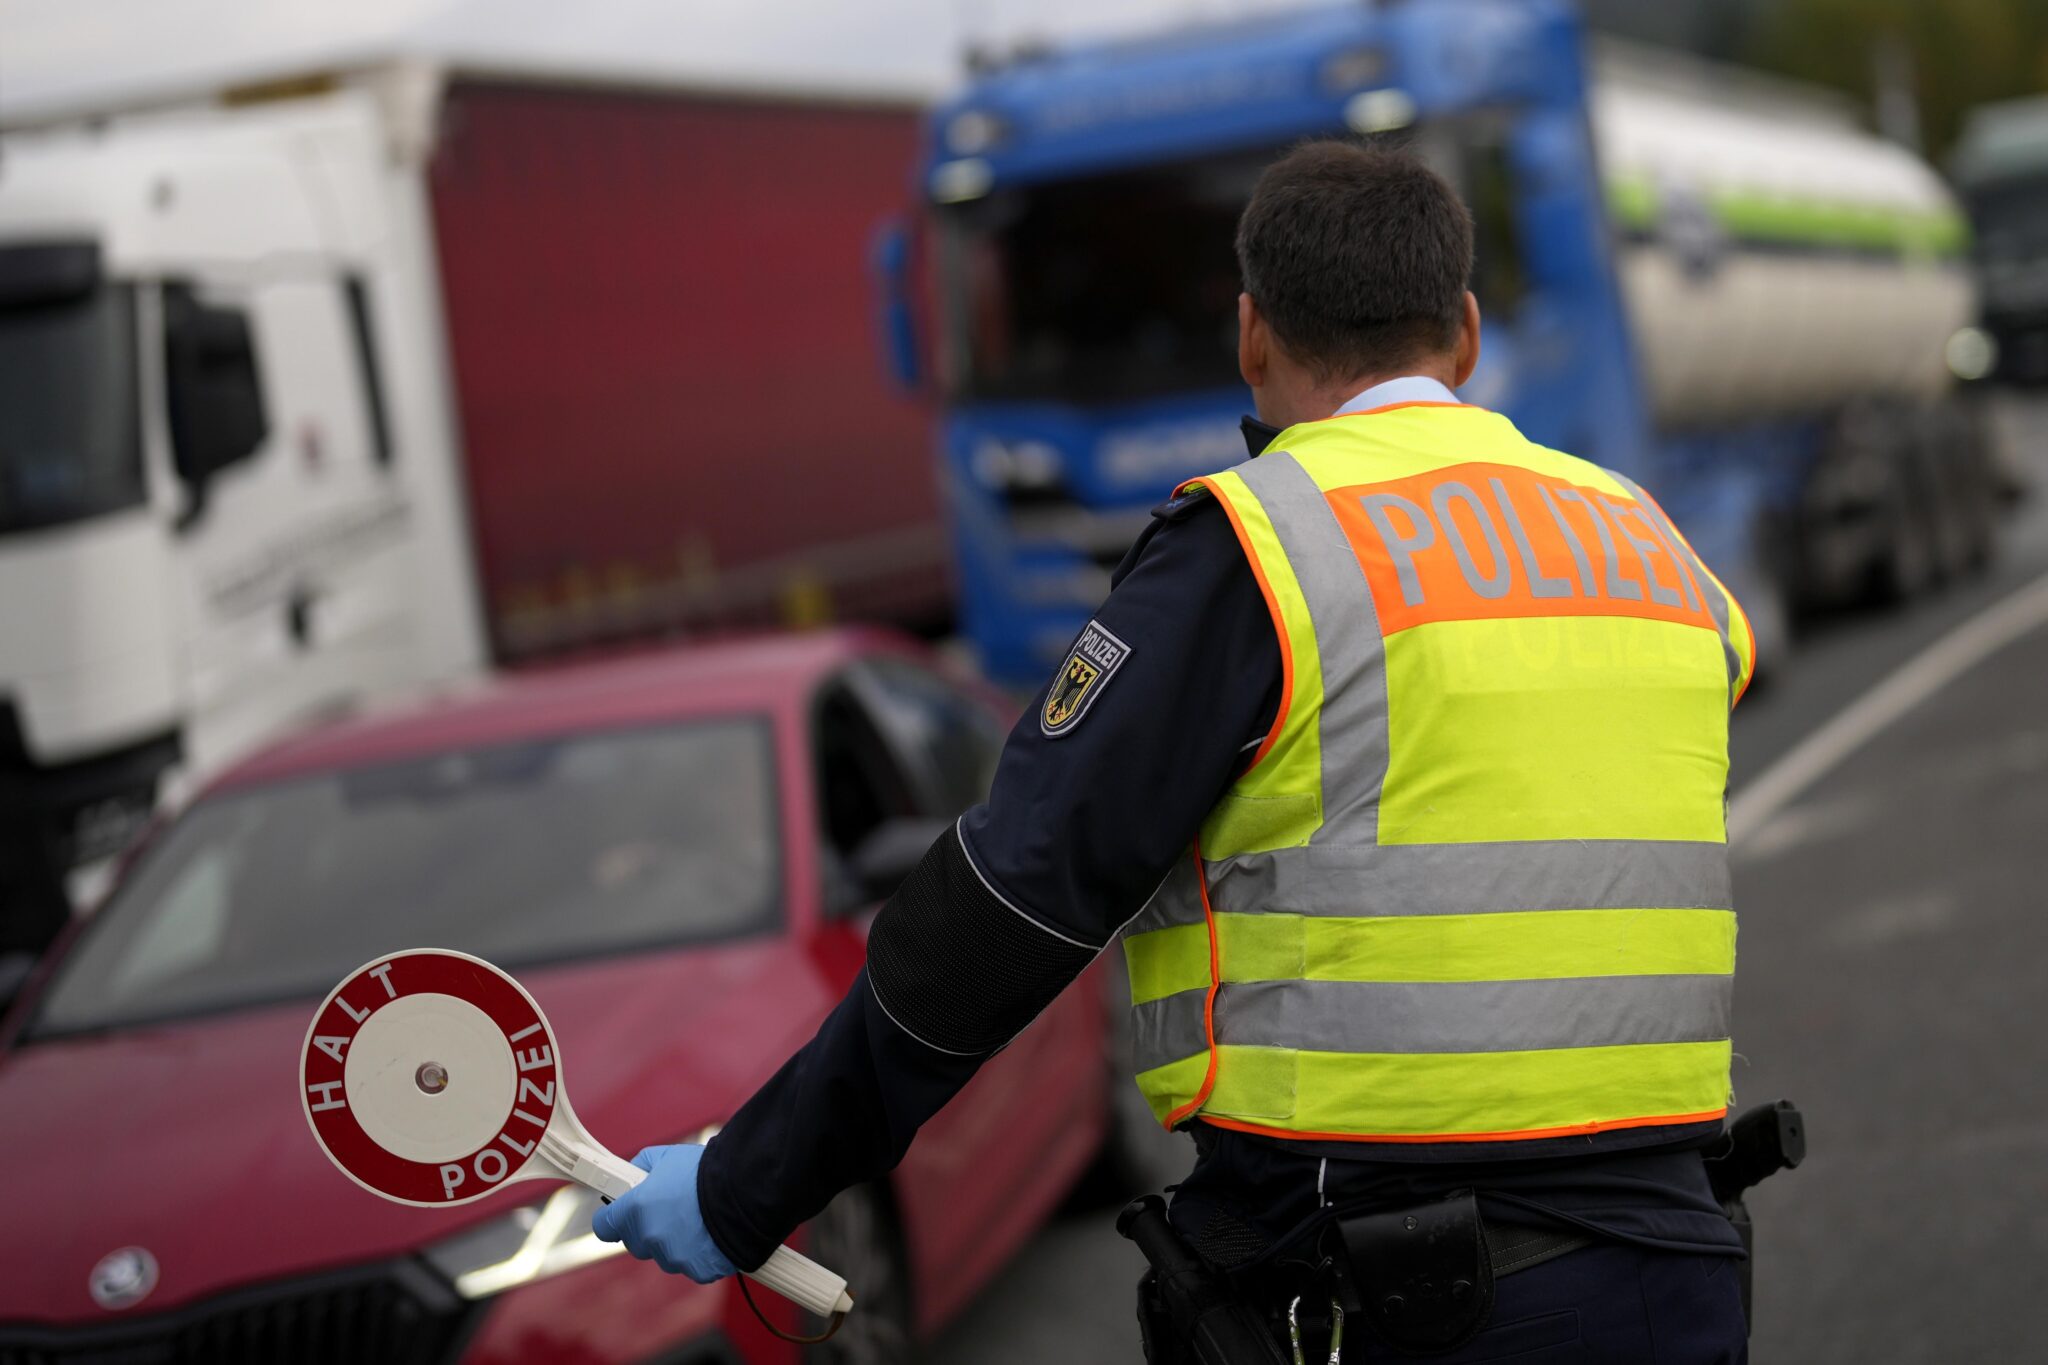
(1926, 673)
(1810, 823)
(1914, 915)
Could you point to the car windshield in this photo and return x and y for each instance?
(1124, 286)
(70, 438)
(520, 853)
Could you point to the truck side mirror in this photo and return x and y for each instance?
(892, 256)
(213, 390)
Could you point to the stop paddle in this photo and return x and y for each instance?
(431, 1078)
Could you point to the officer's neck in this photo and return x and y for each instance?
(1294, 394)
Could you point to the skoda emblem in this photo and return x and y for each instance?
(123, 1278)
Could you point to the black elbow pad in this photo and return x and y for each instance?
(955, 966)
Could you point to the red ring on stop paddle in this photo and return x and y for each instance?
(425, 971)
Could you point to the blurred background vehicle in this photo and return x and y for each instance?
(675, 847)
(326, 386)
(2000, 166)
(1715, 282)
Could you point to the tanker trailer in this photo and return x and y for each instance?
(1793, 283)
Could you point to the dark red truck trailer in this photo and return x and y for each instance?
(666, 370)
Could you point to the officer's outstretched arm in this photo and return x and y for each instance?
(956, 966)
(1103, 784)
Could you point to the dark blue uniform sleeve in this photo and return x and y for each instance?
(1086, 815)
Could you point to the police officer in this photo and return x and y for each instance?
(1397, 758)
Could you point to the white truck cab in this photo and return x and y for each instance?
(228, 494)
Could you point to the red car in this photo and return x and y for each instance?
(666, 850)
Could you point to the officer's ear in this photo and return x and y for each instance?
(1253, 337)
(1466, 359)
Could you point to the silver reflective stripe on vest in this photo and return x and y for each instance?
(1474, 1016)
(1717, 604)
(1470, 879)
(1177, 901)
(1169, 1029)
(1352, 726)
(1429, 1016)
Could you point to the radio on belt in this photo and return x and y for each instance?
(430, 1077)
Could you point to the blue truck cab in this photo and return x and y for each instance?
(1081, 209)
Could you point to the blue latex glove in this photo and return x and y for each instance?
(659, 1220)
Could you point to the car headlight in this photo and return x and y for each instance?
(530, 1243)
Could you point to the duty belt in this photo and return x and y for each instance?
(1518, 1246)
(1423, 1276)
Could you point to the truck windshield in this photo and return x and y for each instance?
(524, 854)
(70, 434)
(1124, 286)
(1111, 287)
(2010, 217)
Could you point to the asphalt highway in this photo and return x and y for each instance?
(1892, 980)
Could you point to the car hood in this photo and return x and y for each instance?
(188, 1139)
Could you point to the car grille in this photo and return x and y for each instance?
(399, 1314)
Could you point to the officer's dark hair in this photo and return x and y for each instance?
(1357, 256)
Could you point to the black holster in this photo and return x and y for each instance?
(1186, 1310)
(1164, 1337)
(1422, 1276)
(1763, 1141)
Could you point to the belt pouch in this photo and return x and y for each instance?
(1421, 1276)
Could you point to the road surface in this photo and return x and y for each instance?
(1894, 965)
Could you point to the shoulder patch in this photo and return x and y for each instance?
(1089, 665)
(1181, 504)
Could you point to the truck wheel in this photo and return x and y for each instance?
(856, 1236)
(1977, 499)
(1951, 538)
(1952, 489)
(1906, 567)
(1981, 534)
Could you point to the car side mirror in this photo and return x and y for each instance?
(15, 970)
(892, 852)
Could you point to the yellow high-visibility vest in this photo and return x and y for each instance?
(1474, 885)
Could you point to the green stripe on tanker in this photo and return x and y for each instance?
(1636, 204)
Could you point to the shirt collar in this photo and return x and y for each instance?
(1410, 388)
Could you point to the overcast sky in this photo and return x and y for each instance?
(64, 52)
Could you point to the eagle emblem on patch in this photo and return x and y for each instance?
(1090, 664)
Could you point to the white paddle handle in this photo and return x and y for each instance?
(791, 1274)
